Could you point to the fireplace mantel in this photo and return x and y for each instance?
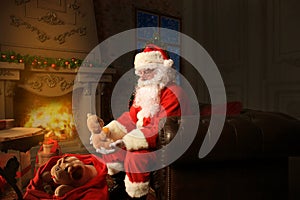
(51, 82)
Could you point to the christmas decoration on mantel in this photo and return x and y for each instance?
(39, 62)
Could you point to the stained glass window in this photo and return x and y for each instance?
(169, 42)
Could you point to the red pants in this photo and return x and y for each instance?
(136, 165)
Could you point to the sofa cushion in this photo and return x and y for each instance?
(232, 108)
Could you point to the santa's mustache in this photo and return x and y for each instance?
(143, 83)
(161, 78)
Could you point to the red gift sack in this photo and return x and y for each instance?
(95, 189)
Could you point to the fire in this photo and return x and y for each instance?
(55, 118)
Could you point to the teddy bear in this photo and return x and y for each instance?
(68, 173)
(107, 134)
(47, 183)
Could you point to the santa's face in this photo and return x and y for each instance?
(146, 74)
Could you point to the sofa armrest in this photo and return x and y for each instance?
(161, 179)
(168, 128)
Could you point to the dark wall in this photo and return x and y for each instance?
(255, 45)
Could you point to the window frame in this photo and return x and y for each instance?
(145, 40)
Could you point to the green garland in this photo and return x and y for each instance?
(38, 62)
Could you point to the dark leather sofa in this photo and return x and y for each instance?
(249, 161)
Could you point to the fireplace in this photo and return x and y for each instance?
(53, 114)
(43, 98)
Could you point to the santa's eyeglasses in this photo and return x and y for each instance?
(144, 72)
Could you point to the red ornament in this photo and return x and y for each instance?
(21, 61)
(53, 65)
(67, 62)
(45, 62)
(3, 56)
(73, 59)
(33, 63)
(12, 57)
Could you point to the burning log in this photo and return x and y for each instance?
(56, 119)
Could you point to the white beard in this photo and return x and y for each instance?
(148, 98)
(147, 95)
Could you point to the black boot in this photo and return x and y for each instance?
(116, 186)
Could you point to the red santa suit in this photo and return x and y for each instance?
(141, 128)
(141, 139)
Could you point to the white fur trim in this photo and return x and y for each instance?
(150, 59)
(140, 116)
(116, 127)
(136, 190)
(135, 140)
(168, 63)
(114, 167)
(147, 66)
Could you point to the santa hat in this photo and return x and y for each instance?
(152, 57)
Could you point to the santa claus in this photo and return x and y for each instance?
(156, 96)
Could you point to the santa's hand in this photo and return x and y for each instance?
(117, 143)
(94, 138)
(97, 142)
(102, 150)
